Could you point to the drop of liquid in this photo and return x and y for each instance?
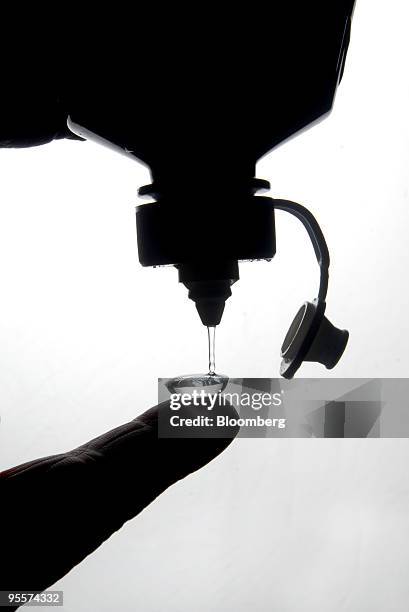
(210, 382)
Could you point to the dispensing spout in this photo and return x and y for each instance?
(233, 227)
(209, 285)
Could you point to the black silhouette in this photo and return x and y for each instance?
(199, 101)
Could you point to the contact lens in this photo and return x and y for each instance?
(209, 383)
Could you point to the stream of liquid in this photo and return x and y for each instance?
(211, 334)
(210, 382)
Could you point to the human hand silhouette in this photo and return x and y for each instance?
(57, 510)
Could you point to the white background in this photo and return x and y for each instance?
(294, 525)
